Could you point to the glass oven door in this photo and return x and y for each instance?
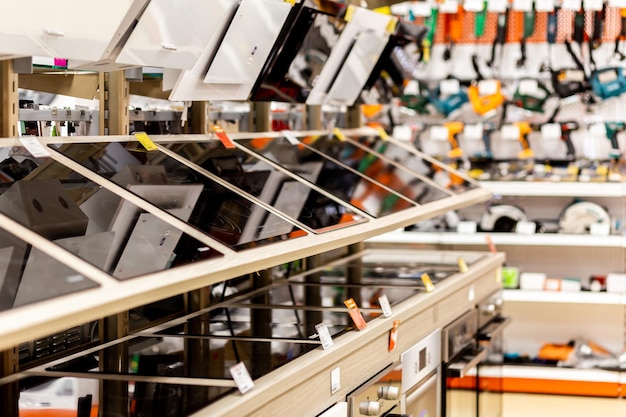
(461, 399)
(423, 399)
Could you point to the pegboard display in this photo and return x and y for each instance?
(612, 26)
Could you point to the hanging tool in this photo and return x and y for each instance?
(454, 128)
(500, 39)
(608, 82)
(490, 101)
(595, 40)
(524, 130)
(553, 19)
(480, 23)
(568, 82)
(415, 96)
(612, 130)
(446, 105)
(453, 31)
(528, 29)
(488, 130)
(621, 37)
(566, 136)
(531, 95)
(427, 41)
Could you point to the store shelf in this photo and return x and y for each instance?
(451, 238)
(586, 297)
(553, 373)
(556, 189)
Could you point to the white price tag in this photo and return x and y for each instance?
(600, 229)
(439, 133)
(421, 8)
(335, 380)
(571, 5)
(551, 131)
(473, 132)
(242, 377)
(510, 132)
(403, 133)
(474, 5)
(412, 88)
(593, 4)
(574, 76)
(497, 6)
(449, 7)
(35, 147)
(467, 227)
(598, 130)
(544, 5)
(618, 3)
(449, 87)
(488, 87)
(525, 228)
(291, 138)
(383, 301)
(528, 87)
(324, 335)
(523, 5)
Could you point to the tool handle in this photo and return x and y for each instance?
(566, 137)
(480, 21)
(579, 27)
(614, 142)
(623, 30)
(502, 28)
(552, 27)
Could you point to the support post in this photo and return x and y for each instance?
(9, 100)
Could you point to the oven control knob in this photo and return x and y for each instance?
(369, 408)
(489, 308)
(389, 393)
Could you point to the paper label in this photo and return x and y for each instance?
(145, 141)
(339, 134)
(525, 228)
(349, 13)
(393, 336)
(355, 314)
(523, 5)
(544, 5)
(574, 76)
(473, 132)
(449, 6)
(497, 6)
(335, 380)
(462, 265)
(488, 87)
(403, 133)
(474, 5)
(439, 133)
(242, 377)
(223, 137)
(291, 138)
(571, 5)
(490, 244)
(466, 227)
(382, 133)
(510, 132)
(600, 229)
(428, 283)
(593, 5)
(449, 87)
(421, 8)
(551, 131)
(618, 3)
(528, 88)
(34, 147)
(383, 302)
(324, 335)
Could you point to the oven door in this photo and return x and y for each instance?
(423, 399)
(461, 374)
(490, 338)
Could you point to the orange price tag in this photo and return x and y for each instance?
(393, 335)
(223, 137)
(355, 314)
(491, 245)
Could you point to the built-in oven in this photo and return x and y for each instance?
(491, 324)
(460, 359)
(408, 388)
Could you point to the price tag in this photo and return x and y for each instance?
(355, 314)
(474, 5)
(383, 134)
(497, 6)
(393, 335)
(528, 87)
(510, 132)
(403, 133)
(598, 130)
(339, 134)
(466, 227)
(145, 141)
(571, 5)
(449, 7)
(449, 87)
(523, 5)
(551, 131)
(593, 4)
(525, 228)
(576, 76)
(383, 302)
(242, 377)
(291, 138)
(439, 133)
(490, 244)
(421, 8)
(335, 380)
(488, 87)
(600, 229)
(430, 287)
(462, 265)
(223, 137)
(545, 5)
(34, 147)
(473, 132)
(618, 3)
(349, 13)
(412, 88)
(324, 335)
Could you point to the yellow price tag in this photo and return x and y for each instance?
(463, 265)
(383, 10)
(339, 134)
(391, 27)
(292, 2)
(145, 140)
(430, 287)
(383, 134)
(349, 13)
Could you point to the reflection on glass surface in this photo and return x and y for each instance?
(292, 74)
(192, 197)
(252, 175)
(419, 166)
(28, 275)
(93, 223)
(67, 395)
(332, 177)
